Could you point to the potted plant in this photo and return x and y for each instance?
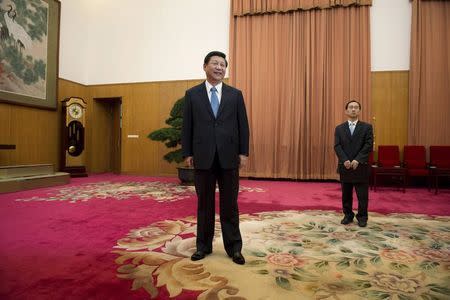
(171, 137)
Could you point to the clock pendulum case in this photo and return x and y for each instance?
(73, 159)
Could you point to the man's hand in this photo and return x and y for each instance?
(354, 164)
(242, 160)
(189, 160)
(347, 164)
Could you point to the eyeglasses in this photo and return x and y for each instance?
(216, 63)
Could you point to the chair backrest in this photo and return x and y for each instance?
(415, 157)
(370, 162)
(388, 156)
(440, 156)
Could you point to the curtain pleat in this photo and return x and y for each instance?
(296, 71)
(429, 78)
(253, 7)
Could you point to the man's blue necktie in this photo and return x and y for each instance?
(352, 128)
(214, 101)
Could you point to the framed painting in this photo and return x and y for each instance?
(29, 43)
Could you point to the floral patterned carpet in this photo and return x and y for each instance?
(147, 190)
(113, 237)
(295, 255)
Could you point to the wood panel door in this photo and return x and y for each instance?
(106, 135)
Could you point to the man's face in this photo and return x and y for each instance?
(353, 110)
(215, 69)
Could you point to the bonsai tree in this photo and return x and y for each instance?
(171, 136)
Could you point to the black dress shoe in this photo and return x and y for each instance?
(362, 223)
(346, 220)
(199, 255)
(238, 258)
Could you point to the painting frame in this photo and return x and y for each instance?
(52, 68)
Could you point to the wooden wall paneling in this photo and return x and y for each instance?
(35, 133)
(99, 131)
(5, 133)
(380, 97)
(170, 92)
(400, 104)
(145, 107)
(142, 108)
(390, 107)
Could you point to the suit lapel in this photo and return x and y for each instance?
(357, 130)
(347, 130)
(223, 101)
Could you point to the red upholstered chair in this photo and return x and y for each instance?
(440, 156)
(388, 156)
(439, 163)
(389, 165)
(415, 162)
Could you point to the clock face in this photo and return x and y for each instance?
(75, 111)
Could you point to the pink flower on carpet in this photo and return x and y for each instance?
(294, 237)
(285, 260)
(395, 282)
(289, 224)
(433, 254)
(440, 236)
(341, 235)
(398, 256)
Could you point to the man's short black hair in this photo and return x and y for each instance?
(215, 53)
(346, 104)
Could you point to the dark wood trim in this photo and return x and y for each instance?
(7, 147)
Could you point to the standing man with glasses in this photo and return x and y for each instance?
(353, 142)
(215, 141)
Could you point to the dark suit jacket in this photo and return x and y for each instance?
(354, 147)
(203, 134)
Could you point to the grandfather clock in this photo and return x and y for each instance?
(73, 158)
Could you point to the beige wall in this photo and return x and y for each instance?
(145, 107)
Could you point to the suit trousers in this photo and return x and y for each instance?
(205, 186)
(362, 192)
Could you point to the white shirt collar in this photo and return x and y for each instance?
(218, 87)
(350, 123)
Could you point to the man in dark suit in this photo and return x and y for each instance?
(353, 142)
(215, 140)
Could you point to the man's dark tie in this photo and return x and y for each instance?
(214, 101)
